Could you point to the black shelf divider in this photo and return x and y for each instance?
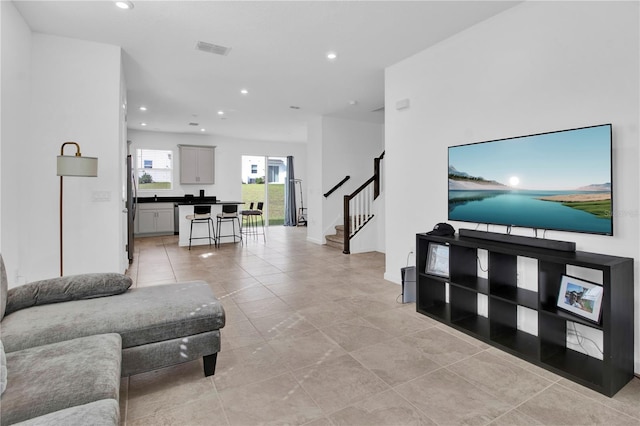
(501, 329)
(516, 295)
(517, 341)
(478, 284)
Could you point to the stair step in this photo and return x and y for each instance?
(335, 245)
(335, 240)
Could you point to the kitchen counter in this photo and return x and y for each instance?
(182, 200)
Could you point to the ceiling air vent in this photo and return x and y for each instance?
(213, 48)
(193, 124)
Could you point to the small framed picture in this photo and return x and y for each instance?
(580, 297)
(438, 260)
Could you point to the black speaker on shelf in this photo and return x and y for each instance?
(518, 239)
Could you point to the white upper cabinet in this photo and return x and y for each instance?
(197, 164)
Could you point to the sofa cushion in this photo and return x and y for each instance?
(64, 289)
(141, 316)
(3, 369)
(53, 377)
(4, 284)
(140, 359)
(105, 412)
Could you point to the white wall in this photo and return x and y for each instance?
(349, 148)
(71, 91)
(228, 166)
(122, 154)
(342, 147)
(540, 66)
(314, 182)
(15, 89)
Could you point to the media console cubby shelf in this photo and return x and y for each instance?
(500, 327)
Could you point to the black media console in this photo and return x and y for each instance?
(500, 327)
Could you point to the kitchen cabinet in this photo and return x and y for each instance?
(197, 164)
(155, 218)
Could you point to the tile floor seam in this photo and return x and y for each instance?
(440, 367)
(479, 389)
(525, 367)
(324, 414)
(264, 379)
(224, 411)
(598, 402)
(360, 347)
(166, 252)
(516, 407)
(488, 392)
(327, 415)
(510, 411)
(412, 404)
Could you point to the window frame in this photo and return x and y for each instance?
(141, 168)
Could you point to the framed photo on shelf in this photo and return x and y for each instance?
(438, 260)
(580, 297)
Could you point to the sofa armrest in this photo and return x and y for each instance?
(64, 289)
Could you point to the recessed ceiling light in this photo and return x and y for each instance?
(220, 112)
(353, 102)
(124, 4)
(143, 124)
(332, 56)
(143, 108)
(244, 91)
(202, 130)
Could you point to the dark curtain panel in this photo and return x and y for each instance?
(290, 196)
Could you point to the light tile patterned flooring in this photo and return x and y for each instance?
(317, 337)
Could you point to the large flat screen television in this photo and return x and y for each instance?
(549, 181)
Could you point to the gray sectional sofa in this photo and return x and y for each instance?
(69, 340)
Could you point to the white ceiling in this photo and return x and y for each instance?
(277, 52)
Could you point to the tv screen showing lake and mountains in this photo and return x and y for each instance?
(559, 180)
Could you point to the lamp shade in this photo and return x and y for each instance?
(77, 166)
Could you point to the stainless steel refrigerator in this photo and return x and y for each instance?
(131, 205)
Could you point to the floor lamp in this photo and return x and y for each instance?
(73, 165)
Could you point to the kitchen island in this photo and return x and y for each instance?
(154, 217)
(200, 230)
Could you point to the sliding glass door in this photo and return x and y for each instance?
(263, 180)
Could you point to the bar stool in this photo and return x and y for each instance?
(229, 214)
(201, 214)
(247, 223)
(250, 219)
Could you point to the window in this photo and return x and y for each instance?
(274, 174)
(254, 169)
(154, 169)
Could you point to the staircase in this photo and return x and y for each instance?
(337, 240)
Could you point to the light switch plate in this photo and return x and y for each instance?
(98, 196)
